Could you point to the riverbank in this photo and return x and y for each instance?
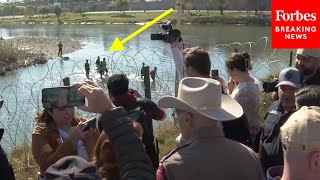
(192, 17)
(37, 50)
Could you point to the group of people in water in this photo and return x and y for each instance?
(101, 67)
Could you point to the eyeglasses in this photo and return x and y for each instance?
(174, 115)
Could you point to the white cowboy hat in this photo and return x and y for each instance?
(203, 96)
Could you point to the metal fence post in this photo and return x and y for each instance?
(291, 57)
(146, 79)
(179, 14)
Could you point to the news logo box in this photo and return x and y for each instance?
(295, 24)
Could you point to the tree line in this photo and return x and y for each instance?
(29, 11)
(120, 5)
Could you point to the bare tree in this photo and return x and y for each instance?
(221, 4)
(58, 11)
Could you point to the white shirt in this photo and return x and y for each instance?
(178, 62)
(247, 94)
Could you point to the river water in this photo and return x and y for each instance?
(21, 90)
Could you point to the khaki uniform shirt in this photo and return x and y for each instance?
(212, 157)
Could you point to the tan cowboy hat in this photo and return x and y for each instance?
(203, 96)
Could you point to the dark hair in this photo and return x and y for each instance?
(308, 96)
(240, 61)
(44, 116)
(118, 84)
(174, 34)
(198, 59)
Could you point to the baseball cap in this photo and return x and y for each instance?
(72, 168)
(290, 76)
(309, 52)
(301, 132)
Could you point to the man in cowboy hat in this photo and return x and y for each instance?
(197, 64)
(207, 154)
(308, 63)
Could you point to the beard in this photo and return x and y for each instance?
(305, 71)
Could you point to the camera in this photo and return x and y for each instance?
(270, 86)
(169, 35)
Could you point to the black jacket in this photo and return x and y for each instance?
(133, 160)
(271, 152)
(6, 170)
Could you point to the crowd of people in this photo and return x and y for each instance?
(220, 134)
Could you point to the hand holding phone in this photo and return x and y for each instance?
(214, 73)
(98, 100)
(65, 96)
(91, 123)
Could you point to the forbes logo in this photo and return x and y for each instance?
(281, 15)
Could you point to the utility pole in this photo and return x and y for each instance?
(179, 13)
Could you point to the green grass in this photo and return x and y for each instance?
(166, 135)
(212, 17)
(8, 53)
(24, 164)
(265, 98)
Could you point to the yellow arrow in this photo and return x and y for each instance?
(118, 45)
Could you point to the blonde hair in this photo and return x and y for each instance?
(104, 156)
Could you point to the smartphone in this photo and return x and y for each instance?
(214, 73)
(184, 46)
(64, 96)
(91, 123)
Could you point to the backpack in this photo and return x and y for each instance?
(137, 113)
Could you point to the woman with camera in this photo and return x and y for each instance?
(59, 133)
(244, 88)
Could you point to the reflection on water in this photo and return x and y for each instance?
(21, 90)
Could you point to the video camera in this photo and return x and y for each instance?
(170, 34)
(270, 86)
